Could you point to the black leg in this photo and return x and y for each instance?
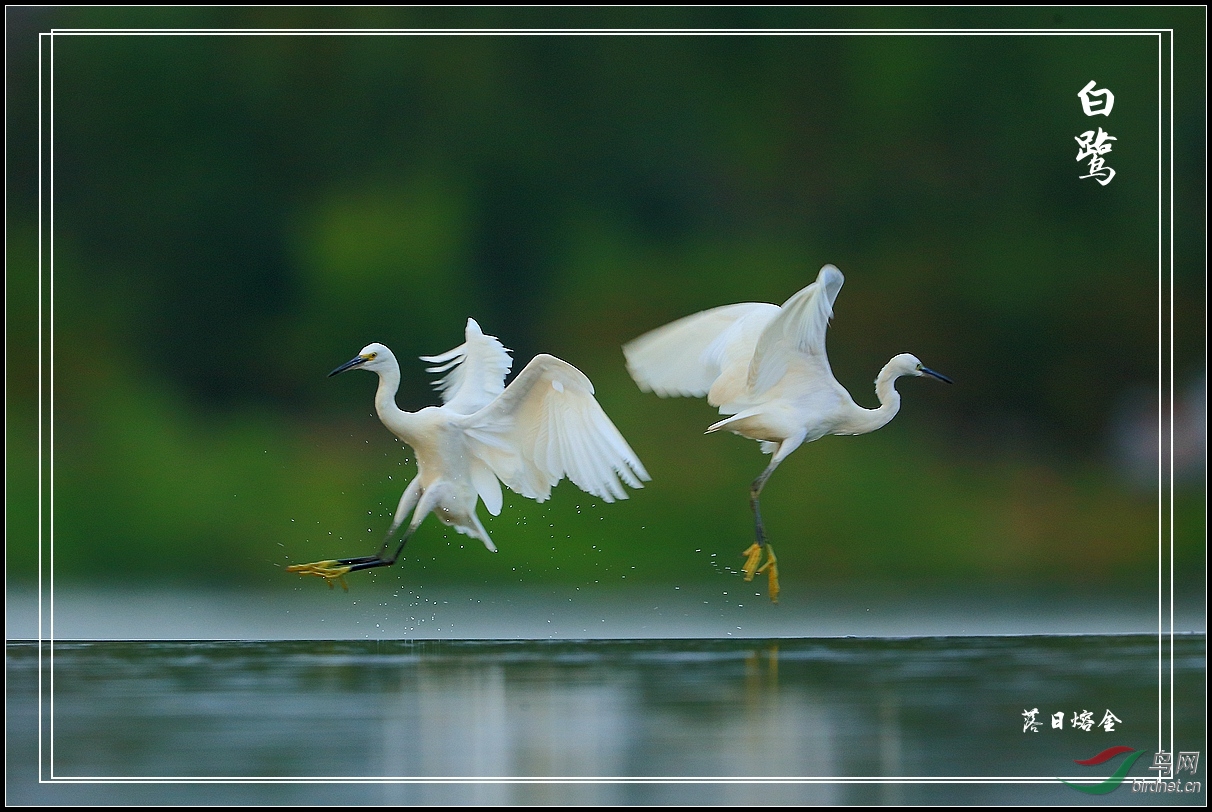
(370, 561)
(758, 529)
(337, 570)
(755, 492)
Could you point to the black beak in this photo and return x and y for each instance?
(925, 371)
(356, 361)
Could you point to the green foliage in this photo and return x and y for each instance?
(235, 216)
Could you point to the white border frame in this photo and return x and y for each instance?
(1165, 462)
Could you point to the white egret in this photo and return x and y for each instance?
(765, 366)
(546, 425)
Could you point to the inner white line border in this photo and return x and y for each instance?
(1165, 253)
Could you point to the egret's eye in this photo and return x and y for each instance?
(371, 356)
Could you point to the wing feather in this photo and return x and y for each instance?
(487, 486)
(799, 328)
(546, 426)
(475, 370)
(686, 356)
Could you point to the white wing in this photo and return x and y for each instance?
(487, 486)
(799, 329)
(477, 370)
(686, 356)
(547, 425)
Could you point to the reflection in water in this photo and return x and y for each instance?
(463, 720)
(890, 748)
(443, 719)
(578, 716)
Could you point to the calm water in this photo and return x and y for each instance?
(448, 721)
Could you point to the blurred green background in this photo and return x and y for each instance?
(234, 216)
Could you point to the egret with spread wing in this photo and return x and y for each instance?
(544, 426)
(765, 367)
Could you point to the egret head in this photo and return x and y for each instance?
(373, 357)
(907, 364)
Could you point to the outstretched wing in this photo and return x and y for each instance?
(686, 356)
(547, 425)
(475, 371)
(798, 329)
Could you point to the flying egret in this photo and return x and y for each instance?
(546, 425)
(765, 366)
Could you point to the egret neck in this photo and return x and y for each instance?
(393, 417)
(869, 420)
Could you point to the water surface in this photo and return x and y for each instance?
(683, 721)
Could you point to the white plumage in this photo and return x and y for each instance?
(765, 367)
(545, 426)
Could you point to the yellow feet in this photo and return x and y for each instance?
(771, 567)
(754, 554)
(329, 570)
